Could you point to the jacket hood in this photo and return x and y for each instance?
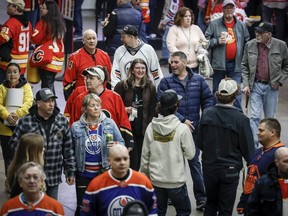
(22, 82)
(22, 18)
(83, 118)
(165, 125)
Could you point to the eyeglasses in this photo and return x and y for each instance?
(11, 5)
(35, 178)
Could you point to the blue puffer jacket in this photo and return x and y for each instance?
(196, 95)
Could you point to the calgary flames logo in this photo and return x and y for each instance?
(38, 56)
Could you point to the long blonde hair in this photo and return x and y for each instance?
(30, 148)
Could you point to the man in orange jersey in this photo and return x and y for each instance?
(15, 33)
(269, 136)
(109, 193)
(33, 200)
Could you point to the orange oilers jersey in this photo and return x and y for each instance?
(107, 195)
(45, 206)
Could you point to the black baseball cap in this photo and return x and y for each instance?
(44, 94)
(129, 30)
(169, 98)
(264, 27)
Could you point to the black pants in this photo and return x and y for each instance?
(135, 155)
(6, 151)
(47, 79)
(221, 187)
(81, 185)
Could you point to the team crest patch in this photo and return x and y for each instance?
(116, 206)
(93, 144)
(70, 65)
(38, 56)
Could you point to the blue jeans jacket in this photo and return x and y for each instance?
(79, 136)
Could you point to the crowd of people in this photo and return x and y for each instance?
(127, 129)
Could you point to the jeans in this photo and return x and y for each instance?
(47, 79)
(279, 22)
(165, 51)
(78, 21)
(196, 174)
(33, 16)
(142, 33)
(219, 75)
(262, 98)
(179, 198)
(201, 21)
(52, 191)
(221, 187)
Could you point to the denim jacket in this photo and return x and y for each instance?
(79, 135)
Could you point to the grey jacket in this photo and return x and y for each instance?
(277, 58)
(213, 33)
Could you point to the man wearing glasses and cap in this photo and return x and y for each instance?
(44, 118)
(14, 38)
(264, 70)
(227, 37)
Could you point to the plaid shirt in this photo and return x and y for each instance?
(58, 146)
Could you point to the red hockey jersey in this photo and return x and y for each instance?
(15, 29)
(80, 60)
(39, 37)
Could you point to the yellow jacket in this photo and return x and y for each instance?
(22, 111)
